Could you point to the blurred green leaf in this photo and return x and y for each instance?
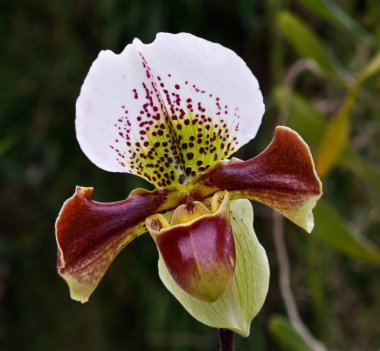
(331, 12)
(302, 115)
(362, 169)
(333, 142)
(306, 43)
(7, 143)
(371, 69)
(285, 334)
(336, 135)
(331, 229)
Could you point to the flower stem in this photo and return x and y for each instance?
(226, 340)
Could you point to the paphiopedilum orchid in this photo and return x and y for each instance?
(172, 112)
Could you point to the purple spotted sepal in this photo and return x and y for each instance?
(197, 246)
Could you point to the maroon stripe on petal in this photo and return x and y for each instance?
(90, 234)
(282, 176)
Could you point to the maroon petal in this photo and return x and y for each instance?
(282, 176)
(90, 234)
(199, 254)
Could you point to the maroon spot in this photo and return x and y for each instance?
(182, 179)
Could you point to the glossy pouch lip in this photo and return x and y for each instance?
(199, 254)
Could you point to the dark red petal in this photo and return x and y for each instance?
(200, 255)
(90, 234)
(282, 176)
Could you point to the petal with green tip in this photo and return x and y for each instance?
(90, 234)
(282, 176)
(245, 296)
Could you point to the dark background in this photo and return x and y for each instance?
(46, 49)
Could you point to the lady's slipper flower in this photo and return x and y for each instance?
(172, 112)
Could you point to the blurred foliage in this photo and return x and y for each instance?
(286, 335)
(318, 65)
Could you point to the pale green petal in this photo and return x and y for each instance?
(244, 298)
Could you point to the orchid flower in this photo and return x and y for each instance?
(172, 112)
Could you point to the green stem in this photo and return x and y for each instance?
(226, 340)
